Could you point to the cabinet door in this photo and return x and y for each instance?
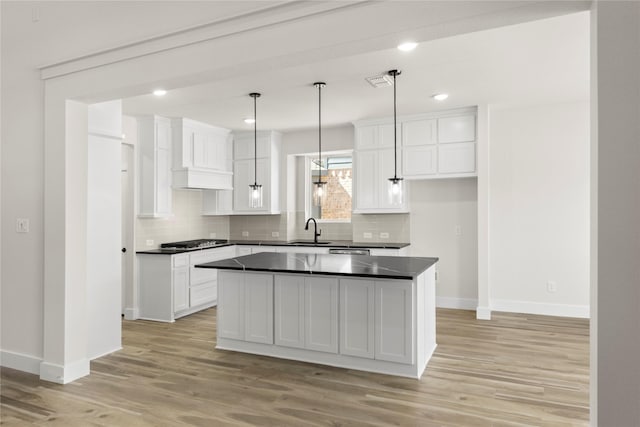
(457, 129)
(203, 294)
(258, 308)
(394, 321)
(367, 137)
(163, 182)
(385, 138)
(243, 175)
(357, 303)
(289, 310)
(419, 132)
(419, 160)
(230, 320)
(180, 278)
(321, 314)
(385, 170)
(366, 179)
(457, 158)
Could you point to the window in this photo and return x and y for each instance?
(337, 172)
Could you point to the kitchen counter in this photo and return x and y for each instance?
(332, 244)
(371, 313)
(385, 267)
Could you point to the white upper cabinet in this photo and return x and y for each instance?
(154, 165)
(460, 128)
(200, 155)
(434, 145)
(374, 165)
(265, 171)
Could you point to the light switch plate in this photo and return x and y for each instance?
(384, 235)
(275, 234)
(212, 235)
(367, 235)
(22, 225)
(245, 234)
(150, 242)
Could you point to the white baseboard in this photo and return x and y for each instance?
(131, 313)
(105, 353)
(459, 303)
(21, 362)
(483, 313)
(546, 309)
(64, 374)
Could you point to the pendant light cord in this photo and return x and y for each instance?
(395, 132)
(255, 142)
(319, 133)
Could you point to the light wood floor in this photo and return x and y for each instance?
(514, 370)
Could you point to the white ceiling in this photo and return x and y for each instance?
(540, 62)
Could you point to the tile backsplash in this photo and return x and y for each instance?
(290, 226)
(186, 223)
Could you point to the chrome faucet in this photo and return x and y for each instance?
(316, 234)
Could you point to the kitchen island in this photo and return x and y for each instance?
(370, 313)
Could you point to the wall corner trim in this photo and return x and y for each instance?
(483, 313)
(64, 374)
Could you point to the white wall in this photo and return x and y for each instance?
(438, 207)
(539, 209)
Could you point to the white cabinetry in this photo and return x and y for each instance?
(171, 287)
(217, 202)
(376, 320)
(246, 307)
(203, 282)
(200, 155)
(433, 145)
(438, 146)
(357, 305)
(374, 164)
(394, 321)
(154, 164)
(306, 312)
(265, 171)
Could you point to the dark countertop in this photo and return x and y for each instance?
(332, 244)
(385, 267)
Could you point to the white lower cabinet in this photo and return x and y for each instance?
(245, 307)
(394, 321)
(180, 278)
(385, 326)
(357, 305)
(306, 312)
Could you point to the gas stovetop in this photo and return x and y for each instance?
(193, 244)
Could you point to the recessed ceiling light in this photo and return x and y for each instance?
(407, 46)
(440, 96)
(159, 92)
(250, 120)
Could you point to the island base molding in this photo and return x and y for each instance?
(329, 359)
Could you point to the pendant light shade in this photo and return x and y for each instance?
(396, 187)
(255, 189)
(319, 190)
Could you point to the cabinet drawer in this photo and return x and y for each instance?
(180, 261)
(203, 294)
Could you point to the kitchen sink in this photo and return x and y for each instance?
(308, 242)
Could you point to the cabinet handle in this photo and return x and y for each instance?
(124, 250)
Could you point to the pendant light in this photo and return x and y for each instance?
(396, 193)
(255, 189)
(319, 191)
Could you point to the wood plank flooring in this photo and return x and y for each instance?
(515, 370)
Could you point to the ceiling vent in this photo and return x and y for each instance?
(382, 80)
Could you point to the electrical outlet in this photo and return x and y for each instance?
(212, 235)
(22, 225)
(275, 234)
(150, 242)
(457, 230)
(552, 286)
(245, 234)
(384, 235)
(367, 235)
